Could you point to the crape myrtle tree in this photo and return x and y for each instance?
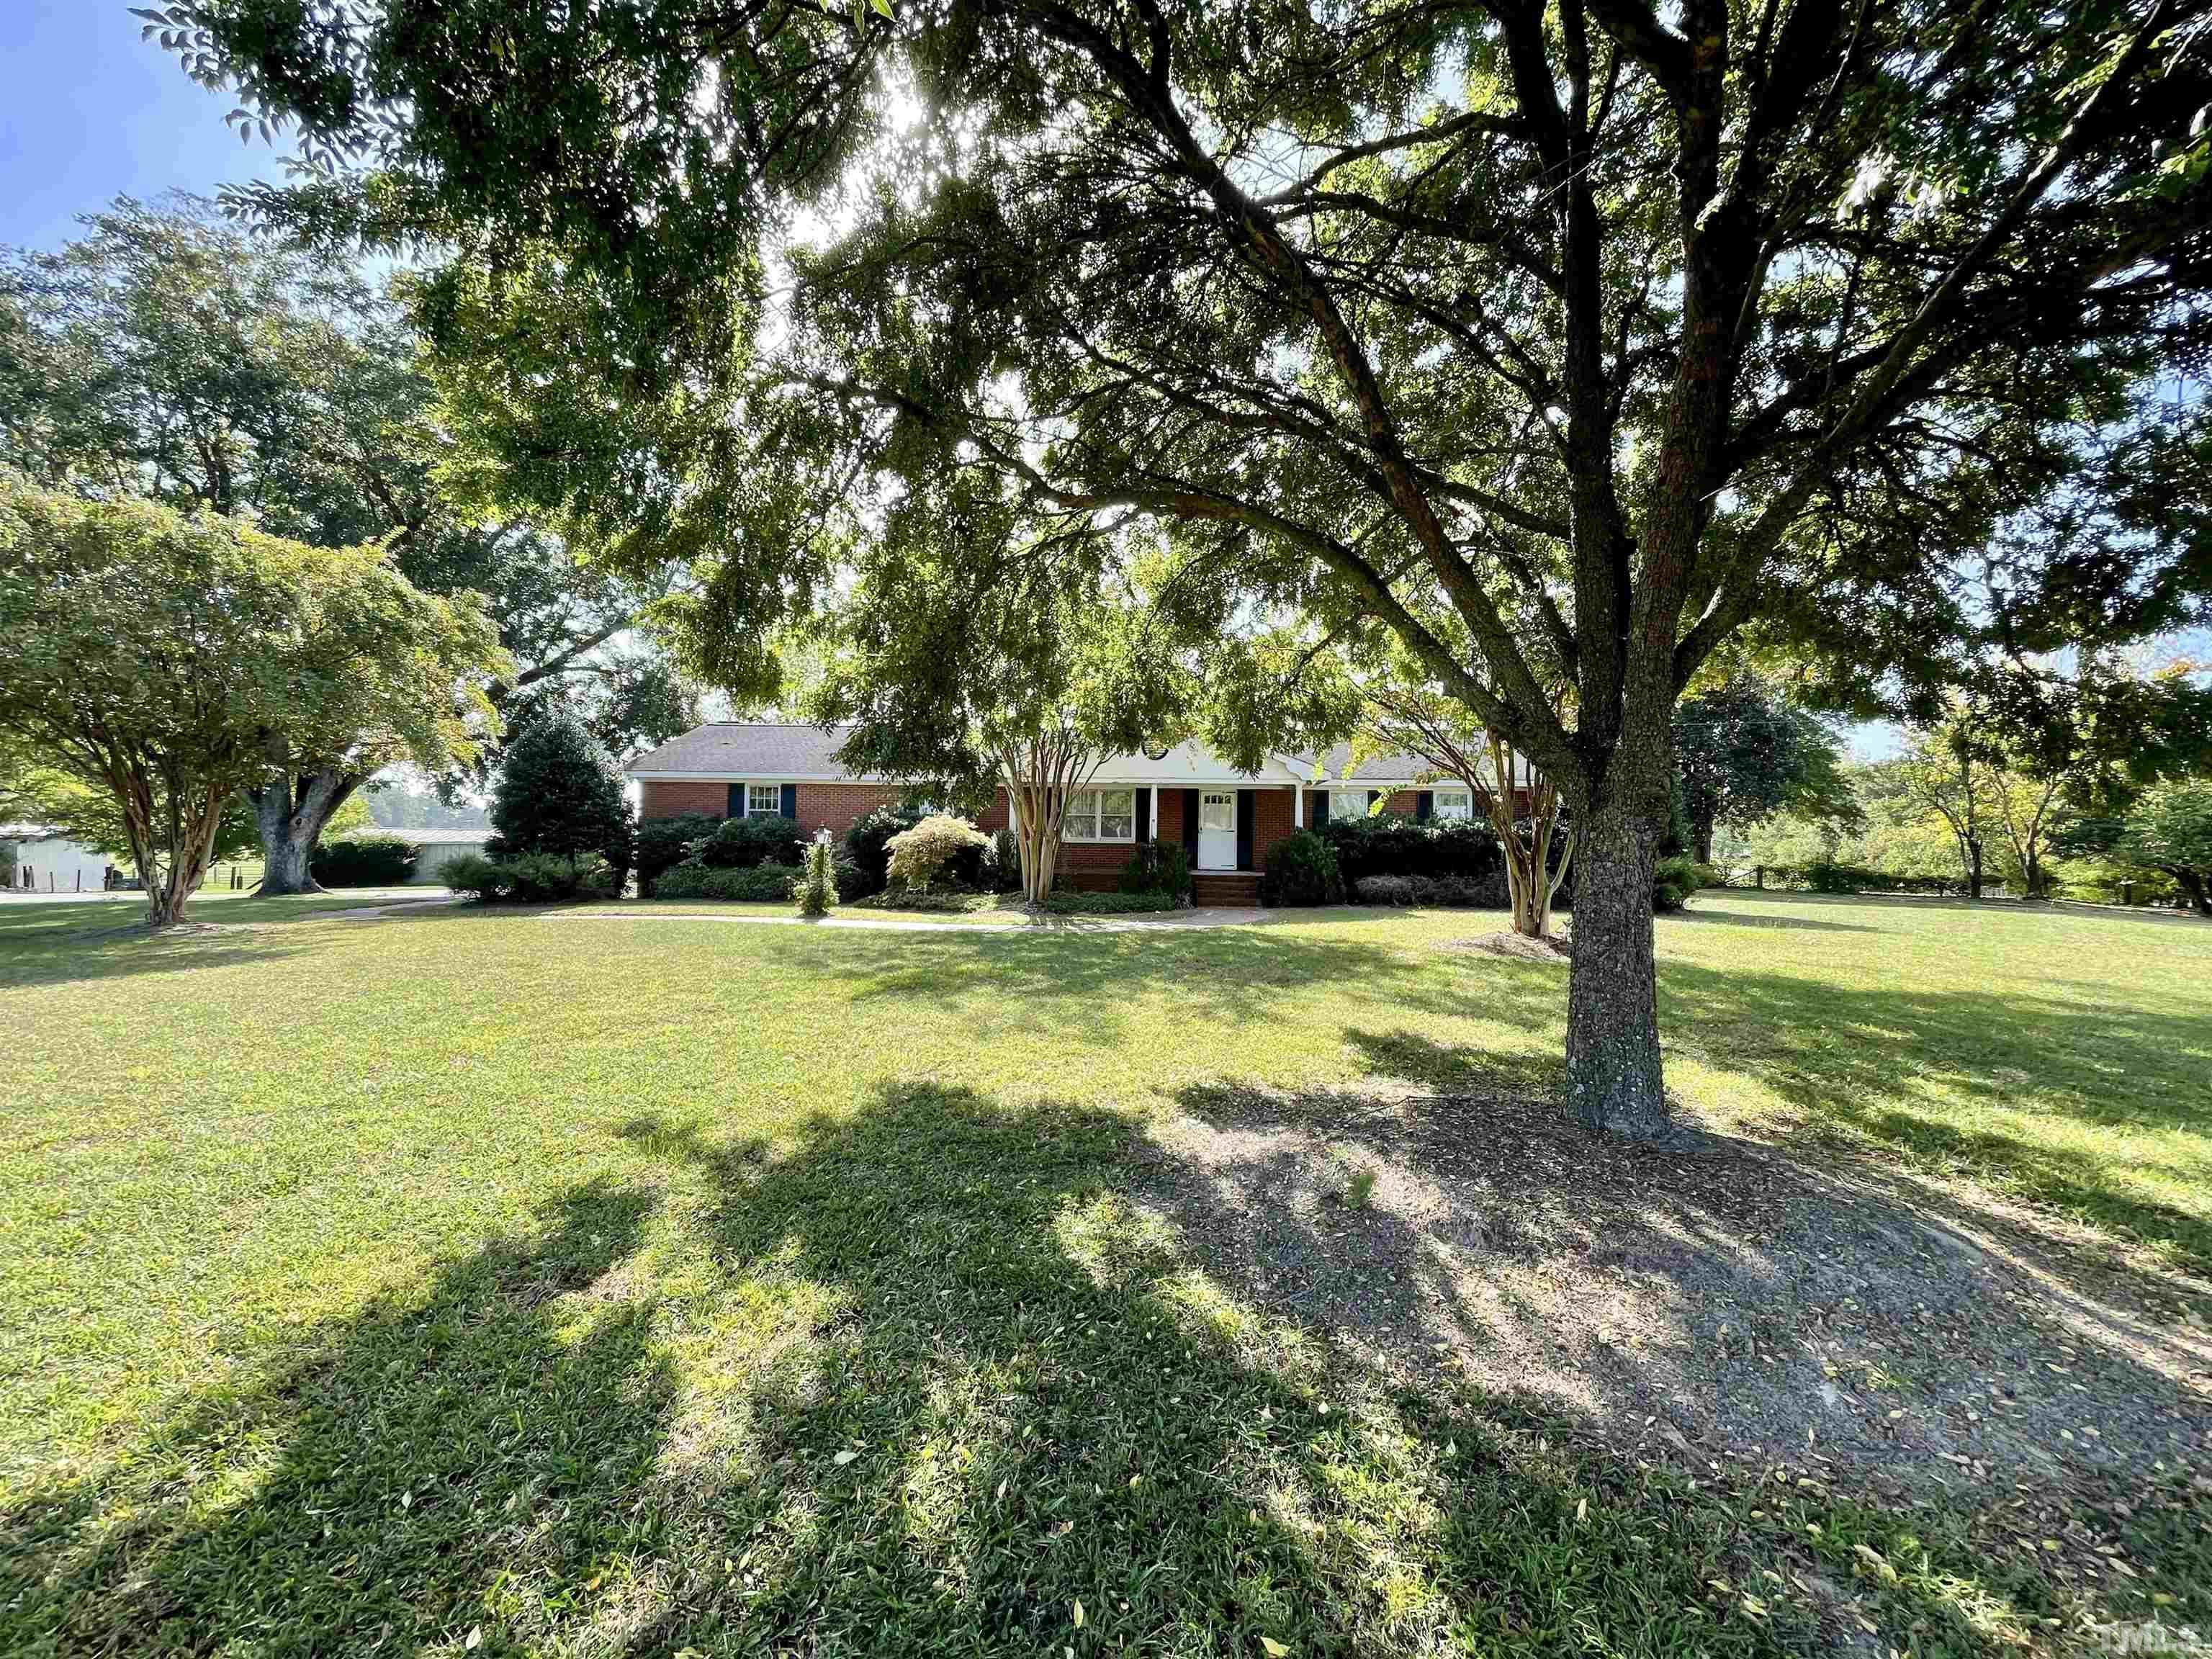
(968, 659)
(161, 659)
(1401, 712)
(169, 354)
(1613, 330)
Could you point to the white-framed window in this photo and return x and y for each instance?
(1451, 804)
(1347, 804)
(1100, 814)
(763, 800)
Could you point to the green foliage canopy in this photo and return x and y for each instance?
(1600, 333)
(161, 659)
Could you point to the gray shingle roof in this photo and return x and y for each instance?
(1382, 769)
(748, 749)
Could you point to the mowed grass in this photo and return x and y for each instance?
(596, 1285)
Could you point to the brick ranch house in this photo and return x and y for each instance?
(1228, 821)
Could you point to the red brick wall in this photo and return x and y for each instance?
(835, 806)
(1402, 803)
(1171, 815)
(665, 800)
(995, 818)
(1270, 822)
(831, 807)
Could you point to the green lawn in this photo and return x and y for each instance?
(598, 1285)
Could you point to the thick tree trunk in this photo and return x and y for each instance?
(2193, 885)
(1615, 1078)
(1701, 834)
(290, 813)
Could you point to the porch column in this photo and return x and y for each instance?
(1297, 806)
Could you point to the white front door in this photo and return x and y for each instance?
(1216, 829)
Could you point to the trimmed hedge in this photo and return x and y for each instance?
(753, 882)
(1391, 844)
(1824, 877)
(939, 901)
(533, 879)
(744, 843)
(664, 843)
(1110, 904)
(1302, 869)
(1488, 892)
(367, 860)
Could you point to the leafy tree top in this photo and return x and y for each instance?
(173, 662)
(960, 640)
(166, 353)
(130, 625)
(1745, 751)
(1599, 332)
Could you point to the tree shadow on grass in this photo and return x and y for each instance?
(1022, 1391)
(1741, 918)
(1865, 1059)
(375, 1489)
(1623, 1279)
(919, 1378)
(1738, 1307)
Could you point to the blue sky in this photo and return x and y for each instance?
(89, 112)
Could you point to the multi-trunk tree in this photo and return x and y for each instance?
(160, 658)
(1607, 331)
(1401, 714)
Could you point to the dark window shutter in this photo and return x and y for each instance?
(1425, 804)
(1144, 815)
(1190, 825)
(737, 801)
(1373, 795)
(1320, 808)
(790, 801)
(1244, 816)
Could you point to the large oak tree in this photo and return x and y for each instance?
(1606, 331)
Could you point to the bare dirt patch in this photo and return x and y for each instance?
(1518, 947)
(1730, 1299)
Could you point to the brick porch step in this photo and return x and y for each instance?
(1228, 889)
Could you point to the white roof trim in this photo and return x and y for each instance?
(1103, 781)
(758, 777)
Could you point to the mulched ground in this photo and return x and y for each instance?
(1733, 1301)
